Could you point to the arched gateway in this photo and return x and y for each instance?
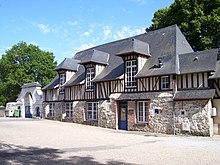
(30, 100)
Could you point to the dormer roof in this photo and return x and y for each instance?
(95, 56)
(135, 46)
(68, 64)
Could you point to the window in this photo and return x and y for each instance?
(90, 74)
(51, 109)
(92, 111)
(142, 112)
(165, 82)
(130, 72)
(69, 109)
(62, 81)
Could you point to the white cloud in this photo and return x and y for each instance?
(127, 31)
(107, 32)
(86, 34)
(44, 28)
(140, 2)
(72, 23)
(83, 47)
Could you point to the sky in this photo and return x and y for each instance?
(65, 27)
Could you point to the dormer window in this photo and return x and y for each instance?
(62, 81)
(130, 72)
(90, 74)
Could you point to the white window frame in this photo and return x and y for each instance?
(90, 74)
(130, 72)
(51, 109)
(69, 110)
(165, 82)
(92, 111)
(142, 112)
(62, 81)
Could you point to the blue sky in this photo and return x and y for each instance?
(65, 27)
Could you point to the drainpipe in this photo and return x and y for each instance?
(174, 92)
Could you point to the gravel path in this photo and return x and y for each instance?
(28, 141)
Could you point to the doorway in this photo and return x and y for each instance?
(123, 116)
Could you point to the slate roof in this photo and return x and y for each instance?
(95, 56)
(52, 84)
(164, 45)
(194, 94)
(32, 84)
(68, 64)
(135, 46)
(201, 61)
(216, 74)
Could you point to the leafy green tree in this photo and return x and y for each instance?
(23, 64)
(199, 20)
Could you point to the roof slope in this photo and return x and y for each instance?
(52, 84)
(201, 61)
(165, 45)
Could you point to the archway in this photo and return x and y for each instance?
(28, 103)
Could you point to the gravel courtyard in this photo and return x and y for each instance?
(33, 141)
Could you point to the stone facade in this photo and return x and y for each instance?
(196, 114)
(106, 114)
(161, 123)
(173, 114)
(59, 111)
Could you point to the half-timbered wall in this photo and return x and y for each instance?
(193, 80)
(151, 84)
(53, 95)
(117, 86)
(78, 92)
(216, 85)
(103, 90)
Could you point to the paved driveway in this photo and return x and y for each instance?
(28, 141)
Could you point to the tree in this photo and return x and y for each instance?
(199, 20)
(23, 64)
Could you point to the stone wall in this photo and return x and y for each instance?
(59, 111)
(106, 114)
(196, 114)
(161, 123)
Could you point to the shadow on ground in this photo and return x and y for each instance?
(12, 154)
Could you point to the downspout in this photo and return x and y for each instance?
(174, 93)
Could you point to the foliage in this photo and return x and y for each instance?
(199, 20)
(23, 64)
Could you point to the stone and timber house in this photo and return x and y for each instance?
(150, 82)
